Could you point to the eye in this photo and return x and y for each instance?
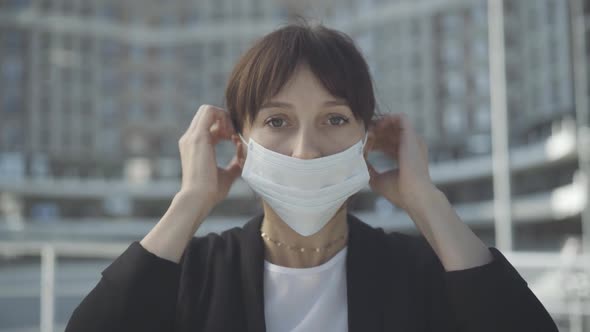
(275, 122)
(338, 120)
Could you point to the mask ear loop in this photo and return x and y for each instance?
(243, 140)
(365, 139)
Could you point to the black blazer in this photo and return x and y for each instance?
(395, 283)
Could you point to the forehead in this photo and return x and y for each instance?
(303, 87)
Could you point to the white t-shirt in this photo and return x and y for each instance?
(306, 299)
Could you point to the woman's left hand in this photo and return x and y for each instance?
(395, 136)
(410, 188)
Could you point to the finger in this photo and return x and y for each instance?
(398, 122)
(201, 112)
(423, 148)
(406, 129)
(372, 171)
(385, 182)
(215, 132)
(389, 122)
(386, 142)
(387, 131)
(210, 115)
(231, 172)
(227, 125)
(422, 143)
(214, 124)
(234, 165)
(195, 118)
(401, 118)
(219, 132)
(374, 175)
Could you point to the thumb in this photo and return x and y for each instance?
(230, 173)
(373, 173)
(384, 183)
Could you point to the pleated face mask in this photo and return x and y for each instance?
(305, 193)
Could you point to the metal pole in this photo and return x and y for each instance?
(499, 121)
(580, 71)
(47, 287)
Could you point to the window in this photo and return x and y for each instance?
(86, 8)
(217, 49)
(452, 52)
(168, 19)
(137, 53)
(453, 118)
(217, 9)
(110, 141)
(110, 80)
(13, 40)
(482, 83)
(451, 22)
(12, 69)
(136, 111)
(167, 109)
(414, 28)
(109, 11)
(67, 7)
(136, 80)
(87, 140)
(11, 103)
(17, 4)
(194, 55)
(108, 113)
(479, 13)
(455, 85)
(110, 49)
(480, 48)
(170, 53)
(12, 137)
(482, 117)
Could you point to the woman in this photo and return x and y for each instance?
(300, 109)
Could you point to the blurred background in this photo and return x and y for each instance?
(94, 95)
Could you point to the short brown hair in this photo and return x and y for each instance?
(331, 55)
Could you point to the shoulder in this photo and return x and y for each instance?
(214, 246)
(226, 247)
(406, 251)
(409, 244)
(413, 255)
(402, 244)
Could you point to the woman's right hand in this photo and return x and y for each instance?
(200, 174)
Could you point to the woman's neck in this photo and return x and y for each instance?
(277, 230)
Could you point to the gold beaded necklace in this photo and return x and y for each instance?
(302, 249)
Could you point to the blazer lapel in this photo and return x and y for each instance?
(377, 295)
(377, 286)
(362, 262)
(252, 275)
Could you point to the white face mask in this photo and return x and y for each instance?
(305, 193)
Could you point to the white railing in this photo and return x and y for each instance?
(49, 252)
(571, 303)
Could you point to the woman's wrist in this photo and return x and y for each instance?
(420, 196)
(173, 232)
(195, 198)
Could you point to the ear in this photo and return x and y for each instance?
(241, 149)
(370, 142)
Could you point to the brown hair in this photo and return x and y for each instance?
(331, 55)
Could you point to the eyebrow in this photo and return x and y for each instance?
(280, 104)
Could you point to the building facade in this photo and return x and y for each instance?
(94, 96)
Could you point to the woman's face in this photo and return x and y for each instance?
(304, 120)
